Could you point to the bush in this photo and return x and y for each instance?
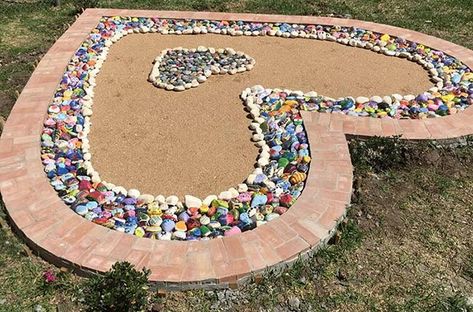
(121, 289)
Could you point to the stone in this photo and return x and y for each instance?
(233, 231)
(208, 200)
(258, 200)
(242, 188)
(376, 99)
(172, 200)
(192, 201)
(133, 193)
(225, 195)
(362, 100)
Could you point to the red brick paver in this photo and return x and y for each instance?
(65, 238)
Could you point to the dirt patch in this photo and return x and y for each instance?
(197, 142)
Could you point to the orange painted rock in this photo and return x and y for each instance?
(297, 177)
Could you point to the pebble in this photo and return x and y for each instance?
(172, 200)
(192, 201)
(362, 100)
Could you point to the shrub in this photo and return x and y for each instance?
(121, 289)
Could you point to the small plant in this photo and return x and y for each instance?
(378, 153)
(121, 289)
(49, 277)
(53, 280)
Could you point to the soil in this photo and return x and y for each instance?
(197, 142)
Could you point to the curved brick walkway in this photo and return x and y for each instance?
(66, 239)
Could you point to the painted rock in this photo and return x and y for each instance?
(233, 231)
(258, 200)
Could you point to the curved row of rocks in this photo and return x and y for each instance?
(180, 68)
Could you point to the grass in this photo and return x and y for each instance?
(406, 245)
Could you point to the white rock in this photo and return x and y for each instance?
(192, 201)
(265, 154)
(257, 137)
(133, 193)
(160, 199)
(387, 99)
(164, 235)
(257, 130)
(254, 113)
(242, 187)
(95, 178)
(322, 35)
(251, 178)
(234, 192)
(397, 96)
(208, 200)
(173, 209)
(86, 111)
(225, 195)
(120, 190)
(172, 200)
(179, 235)
(362, 100)
(263, 162)
(376, 99)
(260, 120)
(146, 198)
(409, 97)
(253, 126)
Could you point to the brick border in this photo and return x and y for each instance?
(66, 239)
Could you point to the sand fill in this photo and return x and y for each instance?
(198, 142)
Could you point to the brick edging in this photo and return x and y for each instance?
(64, 238)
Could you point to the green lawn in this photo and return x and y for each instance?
(407, 244)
